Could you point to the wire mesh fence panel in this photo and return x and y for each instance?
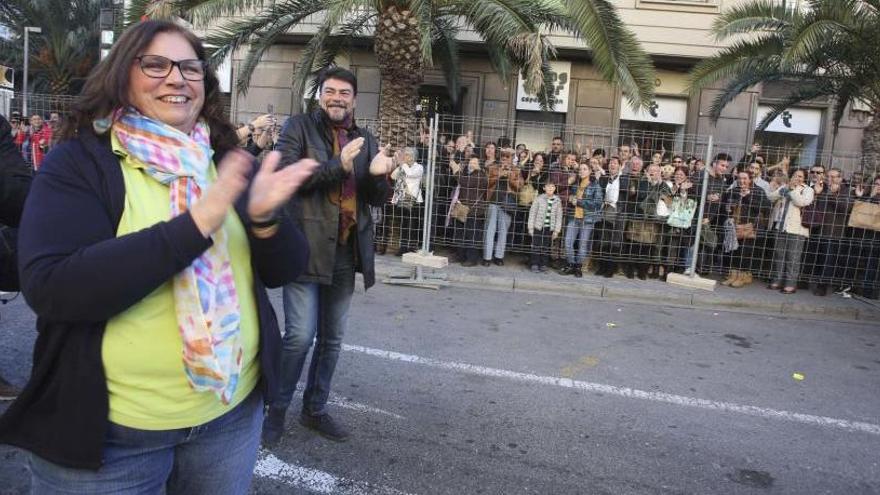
(400, 222)
(574, 197)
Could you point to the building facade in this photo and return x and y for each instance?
(675, 33)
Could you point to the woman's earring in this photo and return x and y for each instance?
(102, 125)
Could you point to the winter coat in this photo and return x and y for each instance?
(472, 192)
(591, 202)
(834, 209)
(538, 212)
(787, 205)
(308, 136)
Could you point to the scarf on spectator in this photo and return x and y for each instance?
(206, 303)
(344, 197)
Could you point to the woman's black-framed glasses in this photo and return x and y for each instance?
(159, 67)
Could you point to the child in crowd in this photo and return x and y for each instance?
(545, 223)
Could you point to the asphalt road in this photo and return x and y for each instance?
(462, 391)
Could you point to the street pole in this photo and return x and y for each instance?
(24, 103)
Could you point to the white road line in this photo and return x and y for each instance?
(269, 466)
(631, 393)
(345, 403)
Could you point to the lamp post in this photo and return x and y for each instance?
(24, 108)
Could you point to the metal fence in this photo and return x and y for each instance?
(634, 204)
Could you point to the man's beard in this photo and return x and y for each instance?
(336, 110)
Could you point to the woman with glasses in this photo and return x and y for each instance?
(147, 244)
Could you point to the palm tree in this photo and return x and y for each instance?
(67, 48)
(826, 48)
(412, 35)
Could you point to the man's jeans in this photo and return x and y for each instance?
(215, 458)
(496, 220)
(577, 228)
(315, 313)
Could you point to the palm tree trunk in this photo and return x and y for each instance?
(871, 144)
(401, 70)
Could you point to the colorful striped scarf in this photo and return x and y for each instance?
(206, 303)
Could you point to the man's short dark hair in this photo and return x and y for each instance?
(504, 142)
(723, 156)
(340, 74)
(557, 137)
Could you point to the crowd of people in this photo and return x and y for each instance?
(634, 212)
(35, 135)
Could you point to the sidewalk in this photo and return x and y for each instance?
(515, 276)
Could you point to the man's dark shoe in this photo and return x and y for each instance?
(469, 263)
(7, 390)
(485, 262)
(578, 272)
(324, 425)
(568, 269)
(273, 426)
(498, 261)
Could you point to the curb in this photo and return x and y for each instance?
(696, 300)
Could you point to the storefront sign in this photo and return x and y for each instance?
(561, 80)
(793, 120)
(661, 110)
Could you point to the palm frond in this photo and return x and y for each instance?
(765, 50)
(752, 17)
(446, 51)
(615, 50)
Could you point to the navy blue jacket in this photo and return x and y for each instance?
(76, 274)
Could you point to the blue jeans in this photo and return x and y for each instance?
(578, 228)
(215, 458)
(496, 220)
(315, 313)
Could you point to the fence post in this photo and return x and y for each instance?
(429, 186)
(705, 188)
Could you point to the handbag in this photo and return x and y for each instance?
(746, 231)
(641, 231)
(682, 213)
(865, 215)
(527, 194)
(460, 211)
(812, 215)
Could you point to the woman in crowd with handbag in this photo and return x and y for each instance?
(469, 210)
(407, 200)
(746, 205)
(678, 232)
(790, 234)
(643, 231)
(147, 244)
(505, 181)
